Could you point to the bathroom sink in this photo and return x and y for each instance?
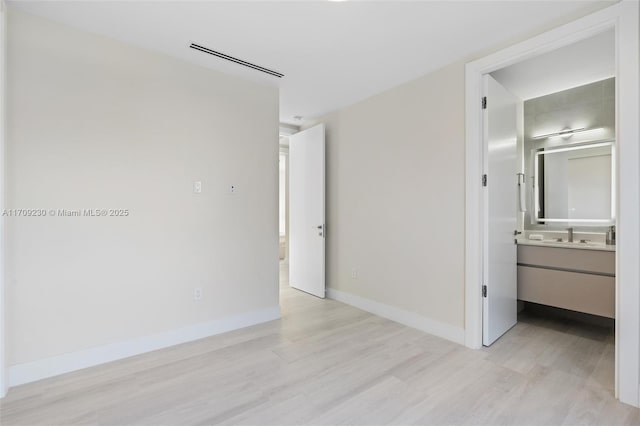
(576, 244)
(572, 244)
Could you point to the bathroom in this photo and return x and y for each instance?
(564, 193)
(566, 253)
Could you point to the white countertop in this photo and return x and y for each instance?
(565, 244)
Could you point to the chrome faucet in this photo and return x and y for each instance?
(570, 235)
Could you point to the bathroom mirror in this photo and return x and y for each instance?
(575, 184)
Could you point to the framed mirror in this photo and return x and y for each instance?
(575, 184)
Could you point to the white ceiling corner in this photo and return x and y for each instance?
(580, 63)
(333, 54)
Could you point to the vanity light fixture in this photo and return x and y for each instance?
(567, 132)
(573, 148)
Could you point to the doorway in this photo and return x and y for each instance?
(302, 209)
(550, 136)
(283, 201)
(622, 18)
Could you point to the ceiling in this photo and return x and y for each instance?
(580, 63)
(333, 54)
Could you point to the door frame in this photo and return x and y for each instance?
(284, 151)
(623, 18)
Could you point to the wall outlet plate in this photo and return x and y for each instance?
(197, 293)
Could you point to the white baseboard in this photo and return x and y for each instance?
(49, 367)
(408, 318)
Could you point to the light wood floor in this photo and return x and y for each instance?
(326, 363)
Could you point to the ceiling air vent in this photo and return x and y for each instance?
(236, 60)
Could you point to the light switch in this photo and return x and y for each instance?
(197, 187)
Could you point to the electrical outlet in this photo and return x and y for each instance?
(233, 189)
(197, 187)
(354, 273)
(197, 294)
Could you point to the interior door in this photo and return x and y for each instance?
(499, 311)
(306, 210)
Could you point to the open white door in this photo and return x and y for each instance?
(499, 309)
(306, 211)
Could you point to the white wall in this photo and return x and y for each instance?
(395, 202)
(3, 28)
(94, 123)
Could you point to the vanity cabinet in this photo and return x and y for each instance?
(575, 279)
